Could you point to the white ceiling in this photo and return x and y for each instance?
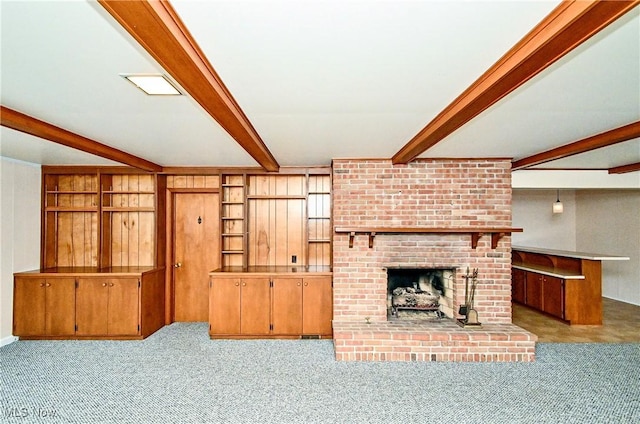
(317, 79)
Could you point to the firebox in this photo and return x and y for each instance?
(420, 293)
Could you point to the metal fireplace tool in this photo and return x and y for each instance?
(470, 314)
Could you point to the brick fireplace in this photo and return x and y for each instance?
(442, 194)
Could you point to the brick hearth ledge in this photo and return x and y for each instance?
(431, 341)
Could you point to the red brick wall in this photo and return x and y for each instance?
(446, 193)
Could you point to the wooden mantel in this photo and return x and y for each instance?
(476, 232)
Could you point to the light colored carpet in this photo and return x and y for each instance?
(178, 375)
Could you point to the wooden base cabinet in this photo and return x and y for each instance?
(317, 306)
(518, 285)
(44, 306)
(238, 306)
(553, 296)
(108, 307)
(116, 303)
(542, 292)
(566, 285)
(279, 305)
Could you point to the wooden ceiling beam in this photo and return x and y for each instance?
(20, 122)
(608, 138)
(566, 27)
(159, 30)
(632, 167)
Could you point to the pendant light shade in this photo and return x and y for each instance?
(557, 206)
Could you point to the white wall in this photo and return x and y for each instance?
(542, 228)
(609, 221)
(19, 232)
(596, 221)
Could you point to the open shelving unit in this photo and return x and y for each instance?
(233, 213)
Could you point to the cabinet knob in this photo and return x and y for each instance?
(178, 265)
(298, 283)
(48, 284)
(244, 284)
(306, 284)
(110, 284)
(41, 284)
(237, 284)
(104, 284)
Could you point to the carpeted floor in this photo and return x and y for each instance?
(178, 375)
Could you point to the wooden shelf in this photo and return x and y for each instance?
(71, 209)
(496, 232)
(109, 192)
(278, 197)
(126, 209)
(71, 192)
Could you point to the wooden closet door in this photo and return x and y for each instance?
(197, 252)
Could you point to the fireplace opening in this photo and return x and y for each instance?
(419, 293)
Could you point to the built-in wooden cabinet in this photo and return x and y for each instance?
(568, 288)
(128, 219)
(237, 306)
(544, 292)
(518, 285)
(286, 302)
(319, 220)
(44, 306)
(84, 303)
(71, 230)
(102, 217)
(259, 303)
(317, 305)
(107, 306)
(276, 219)
(233, 213)
(533, 290)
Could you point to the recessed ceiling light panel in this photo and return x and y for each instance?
(153, 84)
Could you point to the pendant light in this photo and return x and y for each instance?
(557, 206)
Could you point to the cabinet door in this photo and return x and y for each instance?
(553, 296)
(255, 306)
(60, 306)
(317, 306)
(224, 306)
(123, 316)
(92, 300)
(518, 283)
(534, 290)
(28, 306)
(287, 306)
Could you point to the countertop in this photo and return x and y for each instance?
(570, 254)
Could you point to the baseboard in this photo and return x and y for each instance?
(622, 300)
(8, 340)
